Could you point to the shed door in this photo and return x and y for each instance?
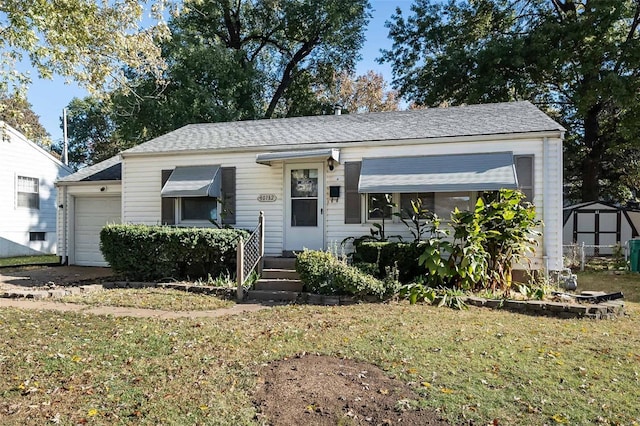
(91, 214)
(304, 209)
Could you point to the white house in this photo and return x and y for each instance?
(316, 178)
(27, 195)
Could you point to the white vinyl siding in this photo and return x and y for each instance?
(337, 230)
(21, 158)
(142, 176)
(142, 201)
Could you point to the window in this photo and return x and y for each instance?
(378, 206)
(28, 190)
(440, 203)
(427, 199)
(446, 202)
(37, 236)
(198, 209)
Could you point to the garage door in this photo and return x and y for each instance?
(91, 214)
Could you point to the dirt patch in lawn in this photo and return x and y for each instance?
(47, 276)
(323, 390)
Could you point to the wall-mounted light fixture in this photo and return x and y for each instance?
(331, 163)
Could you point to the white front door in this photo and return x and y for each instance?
(304, 206)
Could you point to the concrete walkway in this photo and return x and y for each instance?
(128, 312)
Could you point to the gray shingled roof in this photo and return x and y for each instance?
(472, 120)
(110, 169)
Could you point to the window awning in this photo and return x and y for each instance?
(438, 173)
(324, 154)
(193, 181)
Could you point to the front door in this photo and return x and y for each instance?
(304, 209)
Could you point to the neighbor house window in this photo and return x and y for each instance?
(378, 206)
(198, 209)
(37, 236)
(28, 191)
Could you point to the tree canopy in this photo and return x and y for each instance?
(16, 111)
(83, 40)
(245, 59)
(577, 60)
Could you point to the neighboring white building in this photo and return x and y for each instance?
(27, 195)
(315, 178)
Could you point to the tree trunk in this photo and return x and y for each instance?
(592, 163)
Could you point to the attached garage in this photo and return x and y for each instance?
(87, 201)
(91, 214)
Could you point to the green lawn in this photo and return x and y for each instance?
(150, 298)
(475, 365)
(29, 260)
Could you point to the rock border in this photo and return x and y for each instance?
(606, 310)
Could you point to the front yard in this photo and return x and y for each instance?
(475, 367)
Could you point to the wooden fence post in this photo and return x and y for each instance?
(240, 270)
(261, 248)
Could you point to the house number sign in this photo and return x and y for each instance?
(267, 198)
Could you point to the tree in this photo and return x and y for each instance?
(91, 132)
(244, 59)
(16, 111)
(578, 60)
(84, 40)
(366, 93)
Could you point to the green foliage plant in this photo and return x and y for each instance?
(142, 252)
(504, 227)
(416, 219)
(441, 296)
(322, 273)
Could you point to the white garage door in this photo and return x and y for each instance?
(91, 214)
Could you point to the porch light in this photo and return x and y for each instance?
(331, 163)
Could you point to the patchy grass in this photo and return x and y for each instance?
(473, 366)
(150, 298)
(29, 260)
(628, 283)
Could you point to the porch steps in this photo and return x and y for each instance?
(278, 281)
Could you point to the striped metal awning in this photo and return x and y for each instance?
(438, 173)
(194, 181)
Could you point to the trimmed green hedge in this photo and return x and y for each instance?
(386, 254)
(322, 273)
(141, 252)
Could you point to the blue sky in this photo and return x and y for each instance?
(49, 97)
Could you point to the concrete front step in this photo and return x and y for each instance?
(279, 263)
(279, 284)
(276, 295)
(280, 274)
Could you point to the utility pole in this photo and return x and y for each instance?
(65, 149)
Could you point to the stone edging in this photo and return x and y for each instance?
(605, 310)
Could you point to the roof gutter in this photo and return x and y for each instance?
(87, 182)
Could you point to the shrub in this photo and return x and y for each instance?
(323, 273)
(387, 255)
(141, 252)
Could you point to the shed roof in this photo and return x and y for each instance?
(472, 120)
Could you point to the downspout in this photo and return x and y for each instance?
(546, 212)
(64, 259)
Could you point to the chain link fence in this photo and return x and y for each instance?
(580, 256)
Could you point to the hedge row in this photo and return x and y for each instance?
(387, 254)
(141, 252)
(322, 273)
